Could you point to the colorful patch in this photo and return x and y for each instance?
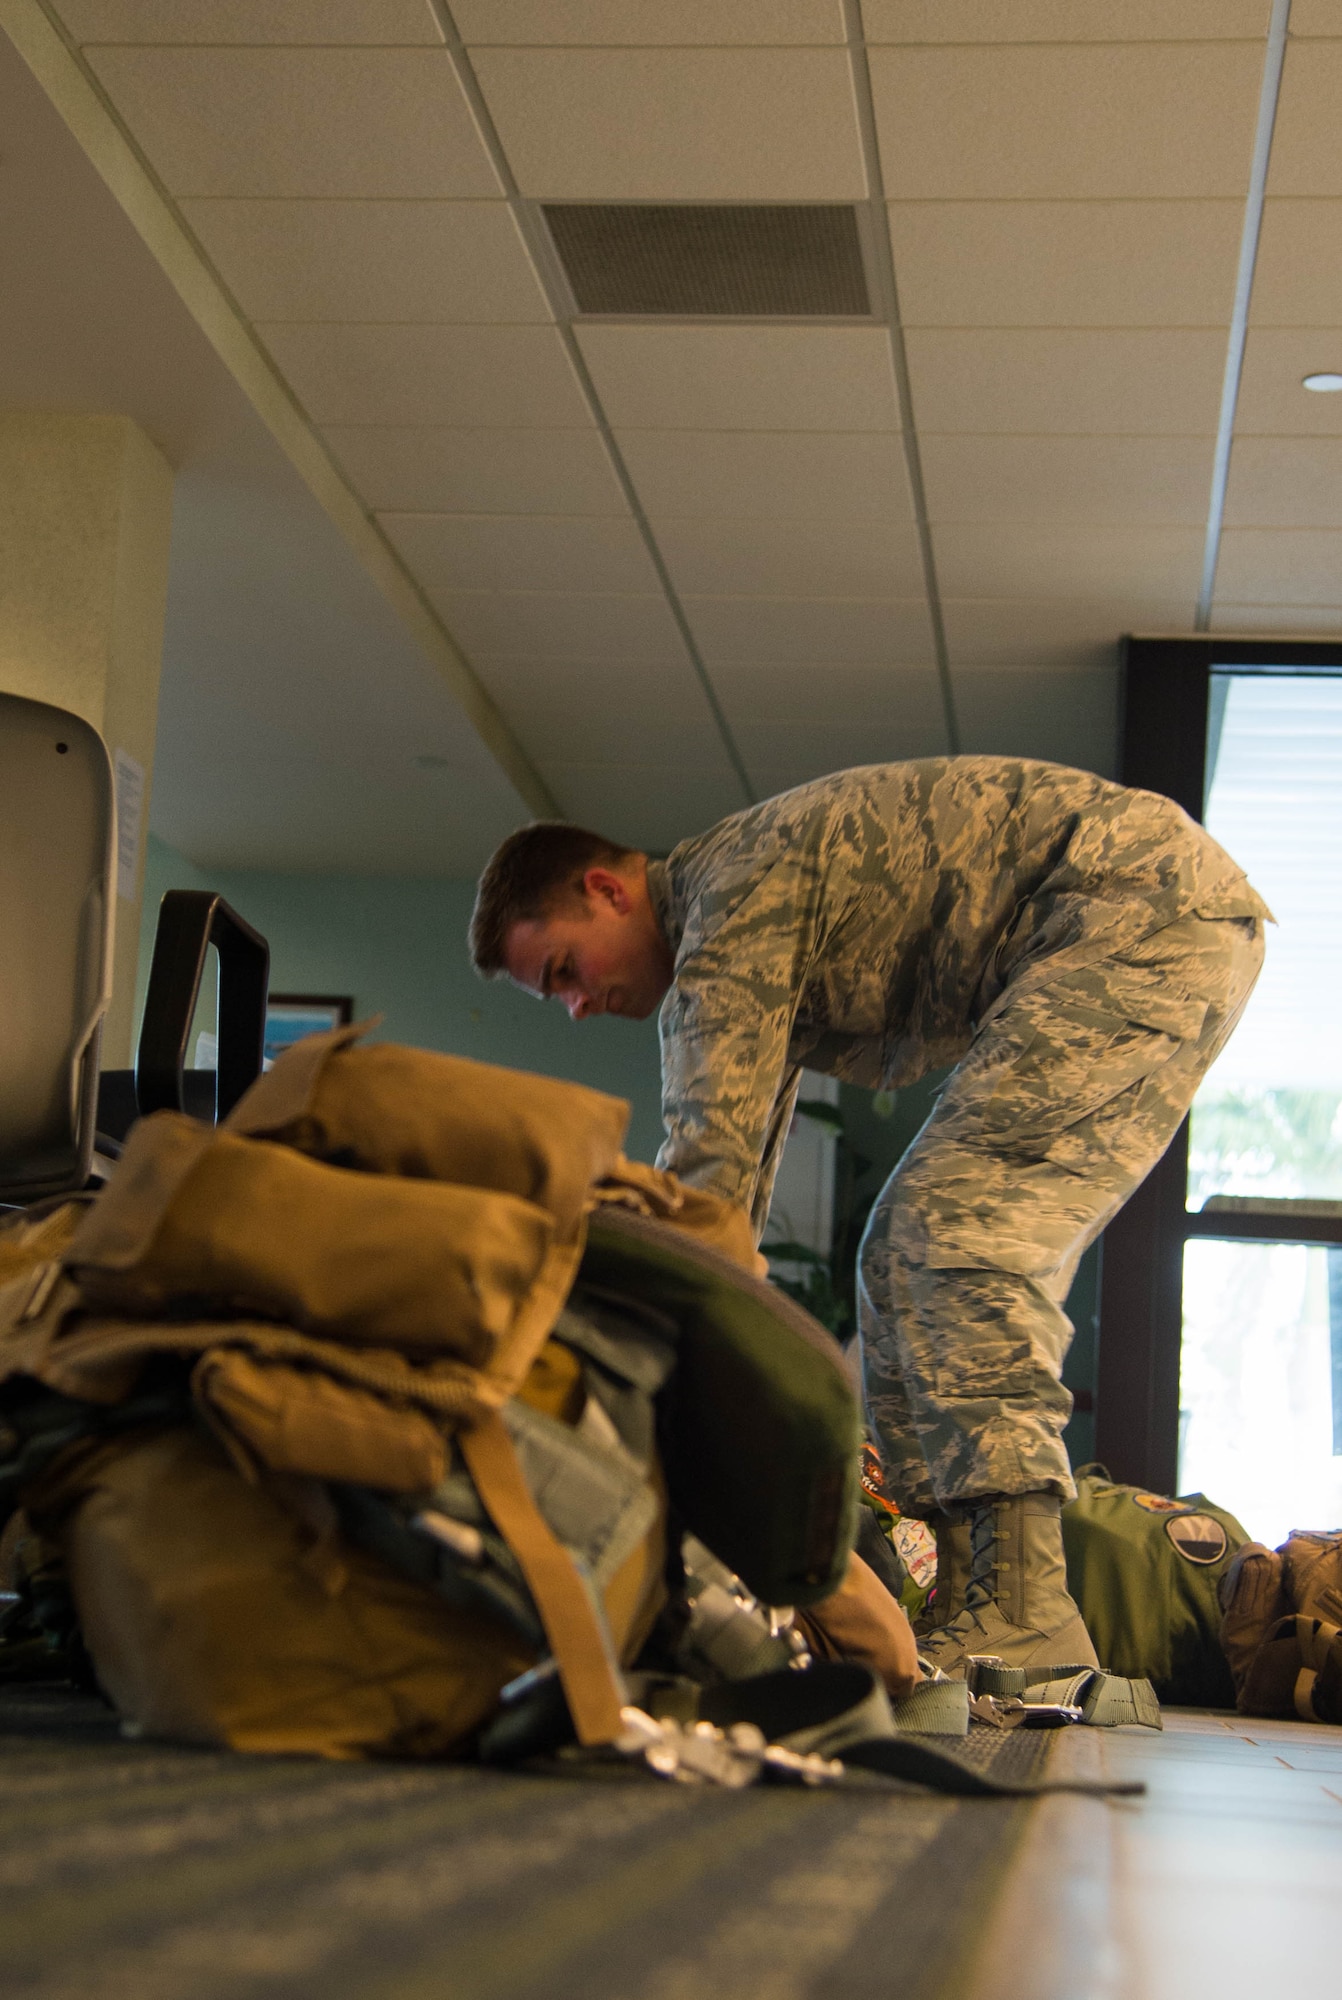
(916, 1547)
(873, 1476)
(1157, 1503)
(1198, 1538)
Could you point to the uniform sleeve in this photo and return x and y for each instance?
(727, 1085)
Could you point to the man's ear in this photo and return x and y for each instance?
(603, 885)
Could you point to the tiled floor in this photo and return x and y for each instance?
(1224, 1881)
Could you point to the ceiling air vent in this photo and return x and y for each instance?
(757, 262)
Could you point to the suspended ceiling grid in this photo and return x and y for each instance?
(694, 562)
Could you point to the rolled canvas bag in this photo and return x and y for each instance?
(325, 1381)
(421, 1266)
(1282, 1627)
(386, 1109)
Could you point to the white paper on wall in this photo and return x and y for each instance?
(129, 810)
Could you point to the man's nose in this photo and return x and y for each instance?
(578, 1004)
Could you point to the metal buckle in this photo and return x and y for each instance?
(704, 1755)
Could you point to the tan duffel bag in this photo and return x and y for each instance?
(251, 1328)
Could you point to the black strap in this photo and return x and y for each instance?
(917, 1763)
(830, 1709)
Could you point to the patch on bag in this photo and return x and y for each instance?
(1157, 1503)
(1198, 1538)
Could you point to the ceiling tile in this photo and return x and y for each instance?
(781, 754)
(1065, 20)
(1070, 123)
(299, 122)
(505, 375)
(1148, 383)
(874, 696)
(614, 23)
(1069, 479)
(677, 124)
(1271, 400)
(590, 691)
(589, 735)
(803, 630)
(1280, 566)
(371, 260)
(1306, 159)
(553, 625)
(415, 469)
(769, 475)
(798, 759)
(1066, 263)
(1002, 633)
(1284, 620)
(781, 378)
(644, 805)
(1066, 717)
(1297, 280)
(822, 558)
(1285, 483)
(1058, 560)
(447, 552)
(384, 22)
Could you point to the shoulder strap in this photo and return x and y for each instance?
(573, 1626)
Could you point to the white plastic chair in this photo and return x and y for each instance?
(57, 903)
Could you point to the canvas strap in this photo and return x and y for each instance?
(1315, 1639)
(572, 1623)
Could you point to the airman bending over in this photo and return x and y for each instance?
(1078, 952)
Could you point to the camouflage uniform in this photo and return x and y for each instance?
(1079, 950)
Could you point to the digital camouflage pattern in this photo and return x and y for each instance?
(1064, 941)
(1065, 1101)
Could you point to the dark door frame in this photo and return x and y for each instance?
(1165, 686)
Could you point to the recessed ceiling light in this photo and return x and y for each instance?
(1325, 384)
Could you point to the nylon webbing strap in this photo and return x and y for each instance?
(566, 1610)
(1315, 1640)
(935, 1708)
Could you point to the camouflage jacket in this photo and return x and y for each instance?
(867, 924)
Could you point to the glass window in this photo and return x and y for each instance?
(1260, 1416)
(1260, 1420)
(1268, 1120)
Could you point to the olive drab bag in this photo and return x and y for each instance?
(345, 1416)
(1145, 1571)
(1282, 1627)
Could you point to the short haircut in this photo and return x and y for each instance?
(535, 868)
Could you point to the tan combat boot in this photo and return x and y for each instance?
(1007, 1588)
(952, 1533)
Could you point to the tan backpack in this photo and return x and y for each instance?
(385, 1487)
(1281, 1628)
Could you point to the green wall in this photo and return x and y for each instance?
(398, 946)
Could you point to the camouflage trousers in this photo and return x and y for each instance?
(1067, 1097)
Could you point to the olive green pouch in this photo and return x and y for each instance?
(1145, 1570)
(760, 1429)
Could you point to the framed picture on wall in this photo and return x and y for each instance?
(290, 1016)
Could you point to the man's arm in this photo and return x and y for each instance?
(727, 1086)
(785, 1104)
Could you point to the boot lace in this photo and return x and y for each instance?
(979, 1585)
